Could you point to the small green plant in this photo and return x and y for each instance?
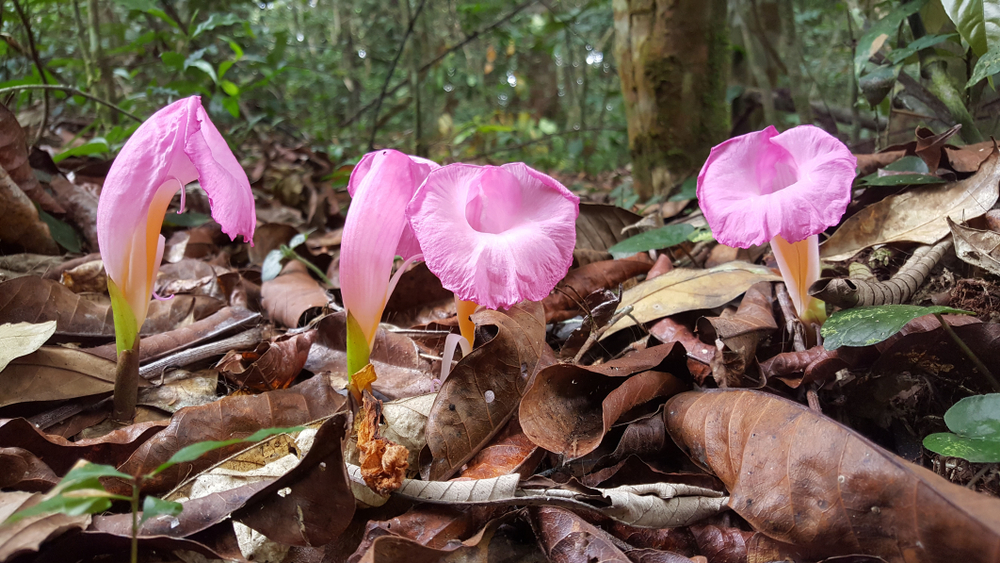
(975, 430)
(81, 491)
(279, 256)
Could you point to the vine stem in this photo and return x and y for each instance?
(71, 90)
(969, 353)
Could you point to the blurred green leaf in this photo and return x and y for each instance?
(153, 507)
(664, 237)
(96, 145)
(61, 232)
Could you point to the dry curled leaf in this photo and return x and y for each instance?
(271, 365)
(564, 301)
(803, 479)
(383, 463)
(570, 408)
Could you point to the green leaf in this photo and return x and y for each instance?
(187, 220)
(978, 21)
(272, 265)
(975, 422)
(94, 146)
(900, 55)
(194, 451)
(864, 326)
(79, 492)
(163, 16)
(173, 60)
(141, 5)
(689, 190)
(664, 237)
(153, 507)
(871, 41)
(877, 84)
(61, 232)
(71, 505)
(232, 105)
(203, 66)
(214, 21)
(987, 65)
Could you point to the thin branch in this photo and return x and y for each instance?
(470, 38)
(39, 66)
(392, 68)
(71, 90)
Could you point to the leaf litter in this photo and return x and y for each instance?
(562, 435)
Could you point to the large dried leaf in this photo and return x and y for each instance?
(19, 189)
(699, 354)
(918, 215)
(565, 300)
(570, 408)
(485, 387)
(289, 296)
(236, 416)
(804, 479)
(685, 289)
(22, 470)
(33, 299)
(510, 452)
(740, 332)
(14, 159)
(271, 365)
(55, 373)
(567, 538)
(60, 454)
(80, 205)
(420, 545)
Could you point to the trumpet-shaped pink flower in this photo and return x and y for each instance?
(376, 231)
(495, 235)
(785, 188)
(177, 145)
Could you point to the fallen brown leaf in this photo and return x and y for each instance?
(803, 479)
(383, 463)
(289, 296)
(564, 301)
(740, 332)
(485, 387)
(272, 365)
(570, 408)
(510, 452)
(27, 535)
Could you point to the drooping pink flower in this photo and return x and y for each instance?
(376, 231)
(784, 188)
(177, 145)
(495, 235)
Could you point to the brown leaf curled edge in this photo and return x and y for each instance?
(801, 478)
(383, 462)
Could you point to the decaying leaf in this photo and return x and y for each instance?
(599, 227)
(510, 452)
(27, 535)
(685, 289)
(979, 248)
(54, 373)
(18, 339)
(804, 479)
(272, 365)
(287, 297)
(383, 463)
(740, 332)
(917, 215)
(485, 387)
(236, 416)
(570, 408)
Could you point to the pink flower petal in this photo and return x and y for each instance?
(177, 145)
(756, 186)
(495, 235)
(376, 231)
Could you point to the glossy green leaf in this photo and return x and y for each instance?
(976, 450)
(900, 55)
(61, 232)
(986, 66)
(664, 237)
(978, 21)
(975, 422)
(865, 326)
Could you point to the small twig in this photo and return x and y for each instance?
(813, 399)
(240, 341)
(71, 90)
(39, 66)
(969, 353)
(392, 68)
(596, 334)
(979, 475)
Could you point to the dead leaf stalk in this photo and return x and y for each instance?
(595, 335)
(792, 323)
(980, 366)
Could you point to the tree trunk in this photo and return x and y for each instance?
(673, 61)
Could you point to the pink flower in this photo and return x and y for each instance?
(376, 231)
(177, 145)
(495, 235)
(784, 188)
